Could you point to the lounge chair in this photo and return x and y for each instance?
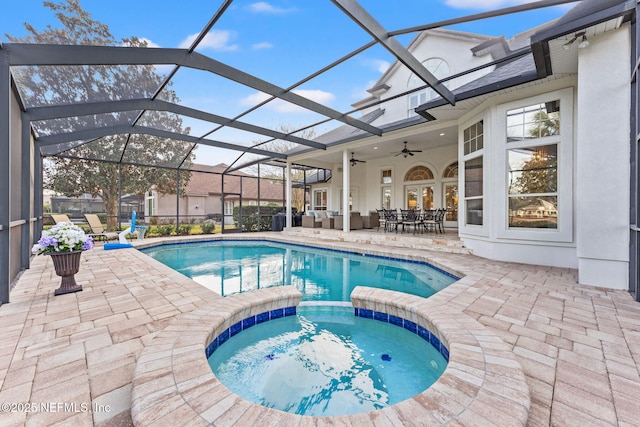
(97, 230)
(60, 218)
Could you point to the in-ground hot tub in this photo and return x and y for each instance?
(326, 360)
(483, 382)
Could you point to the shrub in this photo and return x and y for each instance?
(250, 217)
(153, 220)
(208, 227)
(184, 229)
(165, 230)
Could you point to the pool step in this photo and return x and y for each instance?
(431, 242)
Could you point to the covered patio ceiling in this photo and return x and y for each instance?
(248, 128)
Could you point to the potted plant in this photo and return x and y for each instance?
(65, 243)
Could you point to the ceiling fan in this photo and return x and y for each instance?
(355, 161)
(406, 152)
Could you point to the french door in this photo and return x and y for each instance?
(419, 196)
(450, 195)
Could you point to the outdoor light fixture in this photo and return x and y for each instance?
(583, 42)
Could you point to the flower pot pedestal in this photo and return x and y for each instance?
(67, 265)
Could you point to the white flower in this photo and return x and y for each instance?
(62, 237)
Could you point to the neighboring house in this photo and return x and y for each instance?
(534, 154)
(203, 195)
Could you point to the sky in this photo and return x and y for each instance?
(281, 41)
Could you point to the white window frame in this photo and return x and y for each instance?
(382, 190)
(228, 207)
(416, 99)
(473, 229)
(564, 232)
(386, 184)
(313, 198)
(150, 202)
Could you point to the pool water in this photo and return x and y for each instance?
(229, 267)
(326, 362)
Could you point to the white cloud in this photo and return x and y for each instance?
(484, 4)
(280, 106)
(149, 42)
(317, 95)
(264, 7)
(263, 45)
(254, 99)
(215, 40)
(380, 65)
(142, 39)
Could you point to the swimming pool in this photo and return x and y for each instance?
(325, 361)
(229, 267)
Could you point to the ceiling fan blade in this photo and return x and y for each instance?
(399, 154)
(416, 151)
(411, 153)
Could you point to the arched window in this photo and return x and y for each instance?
(418, 173)
(436, 66)
(451, 171)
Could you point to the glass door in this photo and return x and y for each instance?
(412, 197)
(419, 197)
(450, 192)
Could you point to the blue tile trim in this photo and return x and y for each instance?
(395, 320)
(383, 317)
(248, 322)
(236, 328)
(262, 317)
(406, 324)
(276, 314)
(221, 241)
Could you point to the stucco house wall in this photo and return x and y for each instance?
(592, 232)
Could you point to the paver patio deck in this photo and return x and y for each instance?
(578, 346)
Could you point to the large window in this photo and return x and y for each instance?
(320, 199)
(533, 167)
(436, 66)
(386, 197)
(228, 208)
(473, 191)
(386, 176)
(534, 121)
(474, 138)
(150, 203)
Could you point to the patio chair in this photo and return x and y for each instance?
(381, 220)
(391, 220)
(97, 230)
(410, 218)
(58, 218)
(436, 223)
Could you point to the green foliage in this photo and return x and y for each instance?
(208, 227)
(65, 85)
(250, 217)
(166, 229)
(184, 229)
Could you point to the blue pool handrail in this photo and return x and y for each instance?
(139, 229)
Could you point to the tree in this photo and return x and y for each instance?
(82, 170)
(297, 175)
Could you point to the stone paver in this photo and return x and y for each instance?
(578, 346)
